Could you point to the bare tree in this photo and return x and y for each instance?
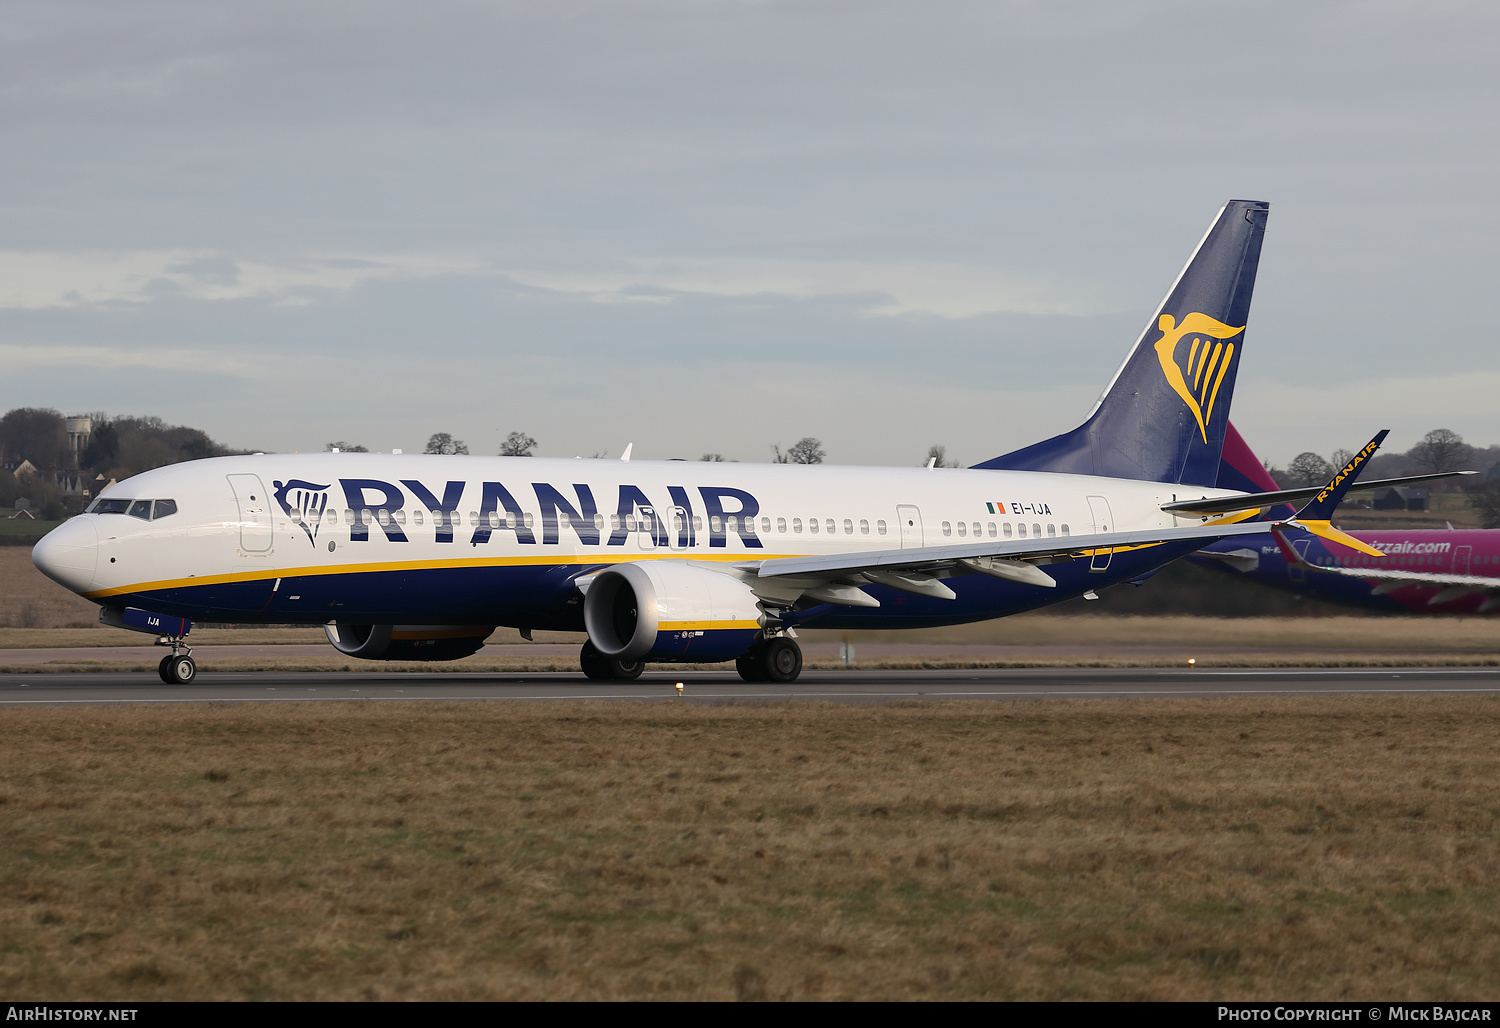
(1484, 497)
(518, 444)
(1340, 459)
(937, 457)
(1442, 450)
(806, 450)
(344, 447)
(442, 442)
(1308, 468)
(713, 458)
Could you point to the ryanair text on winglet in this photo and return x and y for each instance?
(1359, 458)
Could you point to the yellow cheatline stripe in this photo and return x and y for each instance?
(560, 560)
(705, 626)
(1234, 518)
(1325, 530)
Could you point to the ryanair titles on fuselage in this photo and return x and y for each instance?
(371, 502)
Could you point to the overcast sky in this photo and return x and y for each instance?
(714, 226)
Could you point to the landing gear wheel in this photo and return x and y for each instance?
(626, 670)
(749, 666)
(607, 669)
(781, 660)
(178, 670)
(595, 664)
(164, 669)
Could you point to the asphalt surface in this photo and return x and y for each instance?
(725, 686)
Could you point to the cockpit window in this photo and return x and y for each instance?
(146, 510)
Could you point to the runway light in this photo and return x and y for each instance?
(1191, 662)
(679, 688)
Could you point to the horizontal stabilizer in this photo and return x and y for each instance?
(1225, 504)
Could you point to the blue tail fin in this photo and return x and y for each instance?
(1164, 416)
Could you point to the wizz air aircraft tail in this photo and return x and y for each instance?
(421, 557)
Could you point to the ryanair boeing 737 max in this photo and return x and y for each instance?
(405, 557)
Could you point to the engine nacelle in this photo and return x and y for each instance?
(407, 642)
(669, 610)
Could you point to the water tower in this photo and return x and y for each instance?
(79, 430)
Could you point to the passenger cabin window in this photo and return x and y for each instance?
(781, 524)
(1036, 531)
(1021, 531)
(714, 525)
(864, 526)
(765, 526)
(963, 529)
(812, 525)
(1007, 530)
(797, 525)
(1051, 531)
(829, 525)
(976, 530)
(697, 523)
(880, 528)
(947, 528)
(416, 517)
(992, 530)
(1065, 529)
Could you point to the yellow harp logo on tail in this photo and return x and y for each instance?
(1207, 361)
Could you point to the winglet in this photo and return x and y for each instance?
(1315, 517)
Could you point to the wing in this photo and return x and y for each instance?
(838, 577)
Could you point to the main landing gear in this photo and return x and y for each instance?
(606, 669)
(777, 659)
(177, 668)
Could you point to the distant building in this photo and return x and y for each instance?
(80, 430)
(1400, 498)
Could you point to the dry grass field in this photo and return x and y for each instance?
(1195, 849)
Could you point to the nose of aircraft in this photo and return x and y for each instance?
(68, 554)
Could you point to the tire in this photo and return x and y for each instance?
(164, 670)
(181, 670)
(595, 664)
(781, 660)
(600, 668)
(626, 670)
(750, 667)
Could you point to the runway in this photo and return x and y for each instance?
(726, 687)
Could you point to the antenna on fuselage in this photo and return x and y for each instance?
(626, 455)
